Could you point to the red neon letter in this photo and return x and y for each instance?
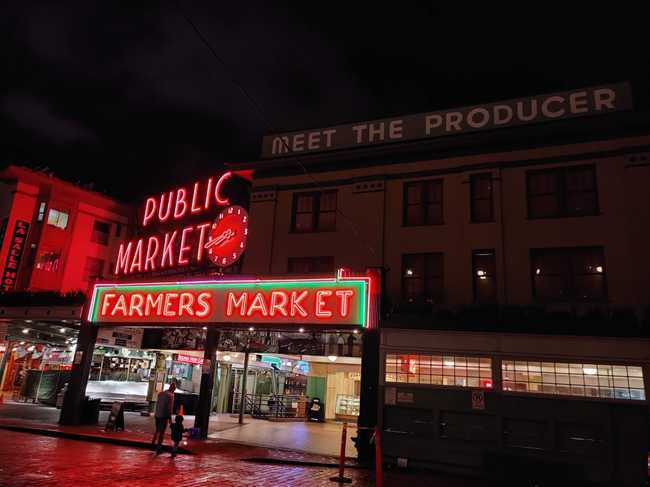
(320, 302)
(258, 304)
(136, 307)
(180, 201)
(204, 302)
(344, 301)
(123, 257)
(151, 302)
(207, 194)
(295, 303)
(137, 257)
(149, 210)
(168, 254)
(121, 304)
(194, 208)
(162, 204)
(186, 302)
(279, 301)
(168, 304)
(151, 255)
(217, 189)
(182, 260)
(105, 303)
(199, 252)
(233, 303)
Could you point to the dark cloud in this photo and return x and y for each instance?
(131, 88)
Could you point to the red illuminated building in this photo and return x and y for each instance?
(57, 236)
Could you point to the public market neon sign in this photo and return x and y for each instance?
(321, 301)
(182, 246)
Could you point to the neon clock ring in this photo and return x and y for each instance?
(227, 236)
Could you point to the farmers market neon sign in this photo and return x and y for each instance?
(322, 301)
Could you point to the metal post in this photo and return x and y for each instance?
(242, 404)
(340, 478)
(3, 363)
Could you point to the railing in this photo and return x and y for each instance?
(270, 405)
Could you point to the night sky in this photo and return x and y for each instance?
(131, 99)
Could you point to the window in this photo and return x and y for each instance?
(569, 191)
(100, 233)
(482, 208)
(422, 278)
(310, 265)
(439, 370)
(314, 212)
(93, 269)
(423, 203)
(574, 379)
(569, 274)
(48, 260)
(57, 219)
(41, 211)
(118, 229)
(484, 276)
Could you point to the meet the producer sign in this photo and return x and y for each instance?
(510, 113)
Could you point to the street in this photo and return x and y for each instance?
(34, 460)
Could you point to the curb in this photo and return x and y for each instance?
(97, 439)
(283, 461)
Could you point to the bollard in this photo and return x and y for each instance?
(379, 475)
(340, 477)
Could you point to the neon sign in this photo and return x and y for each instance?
(339, 301)
(189, 244)
(189, 359)
(228, 236)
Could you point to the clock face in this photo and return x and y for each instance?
(226, 240)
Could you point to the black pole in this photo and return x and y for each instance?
(202, 418)
(73, 402)
(242, 404)
(369, 395)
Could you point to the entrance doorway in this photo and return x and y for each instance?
(292, 401)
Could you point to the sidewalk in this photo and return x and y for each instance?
(138, 431)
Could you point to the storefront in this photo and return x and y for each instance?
(302, 336)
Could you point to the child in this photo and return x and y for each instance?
(177, 433)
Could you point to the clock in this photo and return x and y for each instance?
(227, 236)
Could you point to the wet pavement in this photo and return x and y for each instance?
(312, 438)
(34, 460)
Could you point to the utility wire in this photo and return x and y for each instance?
(268, 125)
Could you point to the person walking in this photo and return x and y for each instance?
(177, 430)
(164, 409)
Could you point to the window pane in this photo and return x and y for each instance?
(434, 213)
(581, 204)
(304, 221)
(581, 179)
(413, 192)
(414, 215)
(305, 203)
(328, 201)
(544, 206)
(327, 221)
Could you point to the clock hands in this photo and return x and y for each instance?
(221, 239)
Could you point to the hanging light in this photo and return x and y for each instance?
(251, 329)
(355, 331)
(205, 328)
(62, 330)
(25, 330)
(301, 330)
(332, 358)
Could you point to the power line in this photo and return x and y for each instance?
(268, 125)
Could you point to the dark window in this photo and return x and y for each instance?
(314, 212)
(93, 269)
(41, 211)
(311, 265)
(482, 208)
(422, 278)
(567, 191)
(569, 274)
(423, 202)
(484, 275)
(100, 232)
(48, 260)
(118, 229)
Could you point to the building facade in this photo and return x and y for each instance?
(559, 226)
(68, 234)
(500, 262)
